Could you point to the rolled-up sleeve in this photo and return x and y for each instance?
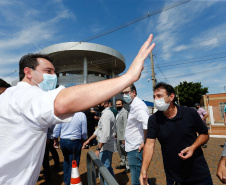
(224, 150)
(104, 133)
(56, 130)
(37, 106)
(84, 127)
(142, 117)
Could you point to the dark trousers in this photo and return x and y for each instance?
(46, 167)
(71, 149)
(206, 181)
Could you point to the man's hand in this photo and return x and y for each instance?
(221, 170)
(47, 141)
(56, 143)
(143, 178)
(85, 143)
(97, 152)
(137, 65)
(186, 153)
(141, 147)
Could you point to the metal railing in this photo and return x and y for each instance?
(104, 174)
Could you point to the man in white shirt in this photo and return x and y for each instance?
(26, 111)
(136, 131)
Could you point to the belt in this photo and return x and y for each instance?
(72, 139)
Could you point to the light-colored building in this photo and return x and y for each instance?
(81, 62)
(217, 101)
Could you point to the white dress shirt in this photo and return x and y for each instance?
(137, 123)
(26, 112)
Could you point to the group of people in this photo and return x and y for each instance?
(28, 109)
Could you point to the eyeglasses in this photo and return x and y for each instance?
(125, 92)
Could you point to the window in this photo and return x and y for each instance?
(222, 104)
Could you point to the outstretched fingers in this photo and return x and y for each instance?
(146, 49)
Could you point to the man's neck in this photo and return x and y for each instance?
(27, 80)
(132, 100)
(171, 111)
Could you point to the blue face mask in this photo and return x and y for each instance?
(127, 98)
(49, 81)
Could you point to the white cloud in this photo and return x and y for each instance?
(26, 28)
(170, 26)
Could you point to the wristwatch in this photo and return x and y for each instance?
(98, 148)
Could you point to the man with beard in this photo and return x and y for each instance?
(121, 122)
(105, 133)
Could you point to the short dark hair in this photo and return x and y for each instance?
(169, 89)
(110, 103)
(107, 101)
(120, 100)
(133, 88)
(3, 83)
(30, 60)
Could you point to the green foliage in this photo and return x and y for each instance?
(190, 93)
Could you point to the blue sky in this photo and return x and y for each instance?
(190, 39)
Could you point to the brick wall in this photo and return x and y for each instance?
(217, 101)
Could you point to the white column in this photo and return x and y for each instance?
(85, 70)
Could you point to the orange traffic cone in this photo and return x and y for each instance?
(75, 177)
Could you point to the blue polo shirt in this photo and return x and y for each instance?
(175, 135)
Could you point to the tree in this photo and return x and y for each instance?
(190, 93)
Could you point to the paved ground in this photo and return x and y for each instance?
(156, 172)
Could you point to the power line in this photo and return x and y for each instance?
(137, 20)
(177, 64)
(195, 47)
(196, 57)
(130, 22)
(197, 72)
(192, 62)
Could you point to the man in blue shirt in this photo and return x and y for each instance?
(71, 136)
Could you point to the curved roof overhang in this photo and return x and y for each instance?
(68, 57)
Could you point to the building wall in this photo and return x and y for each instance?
(217, 101)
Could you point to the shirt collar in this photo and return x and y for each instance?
(107, 108)
(23, 84)
(178, 115)
(133, 102)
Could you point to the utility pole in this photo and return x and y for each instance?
(152, 70)
(178, 96)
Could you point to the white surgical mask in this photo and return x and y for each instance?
(49, 81)
(161, 105)
(127, 98)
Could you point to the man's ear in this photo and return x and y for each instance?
(134, 92)
(172, 96)
(27, 72)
